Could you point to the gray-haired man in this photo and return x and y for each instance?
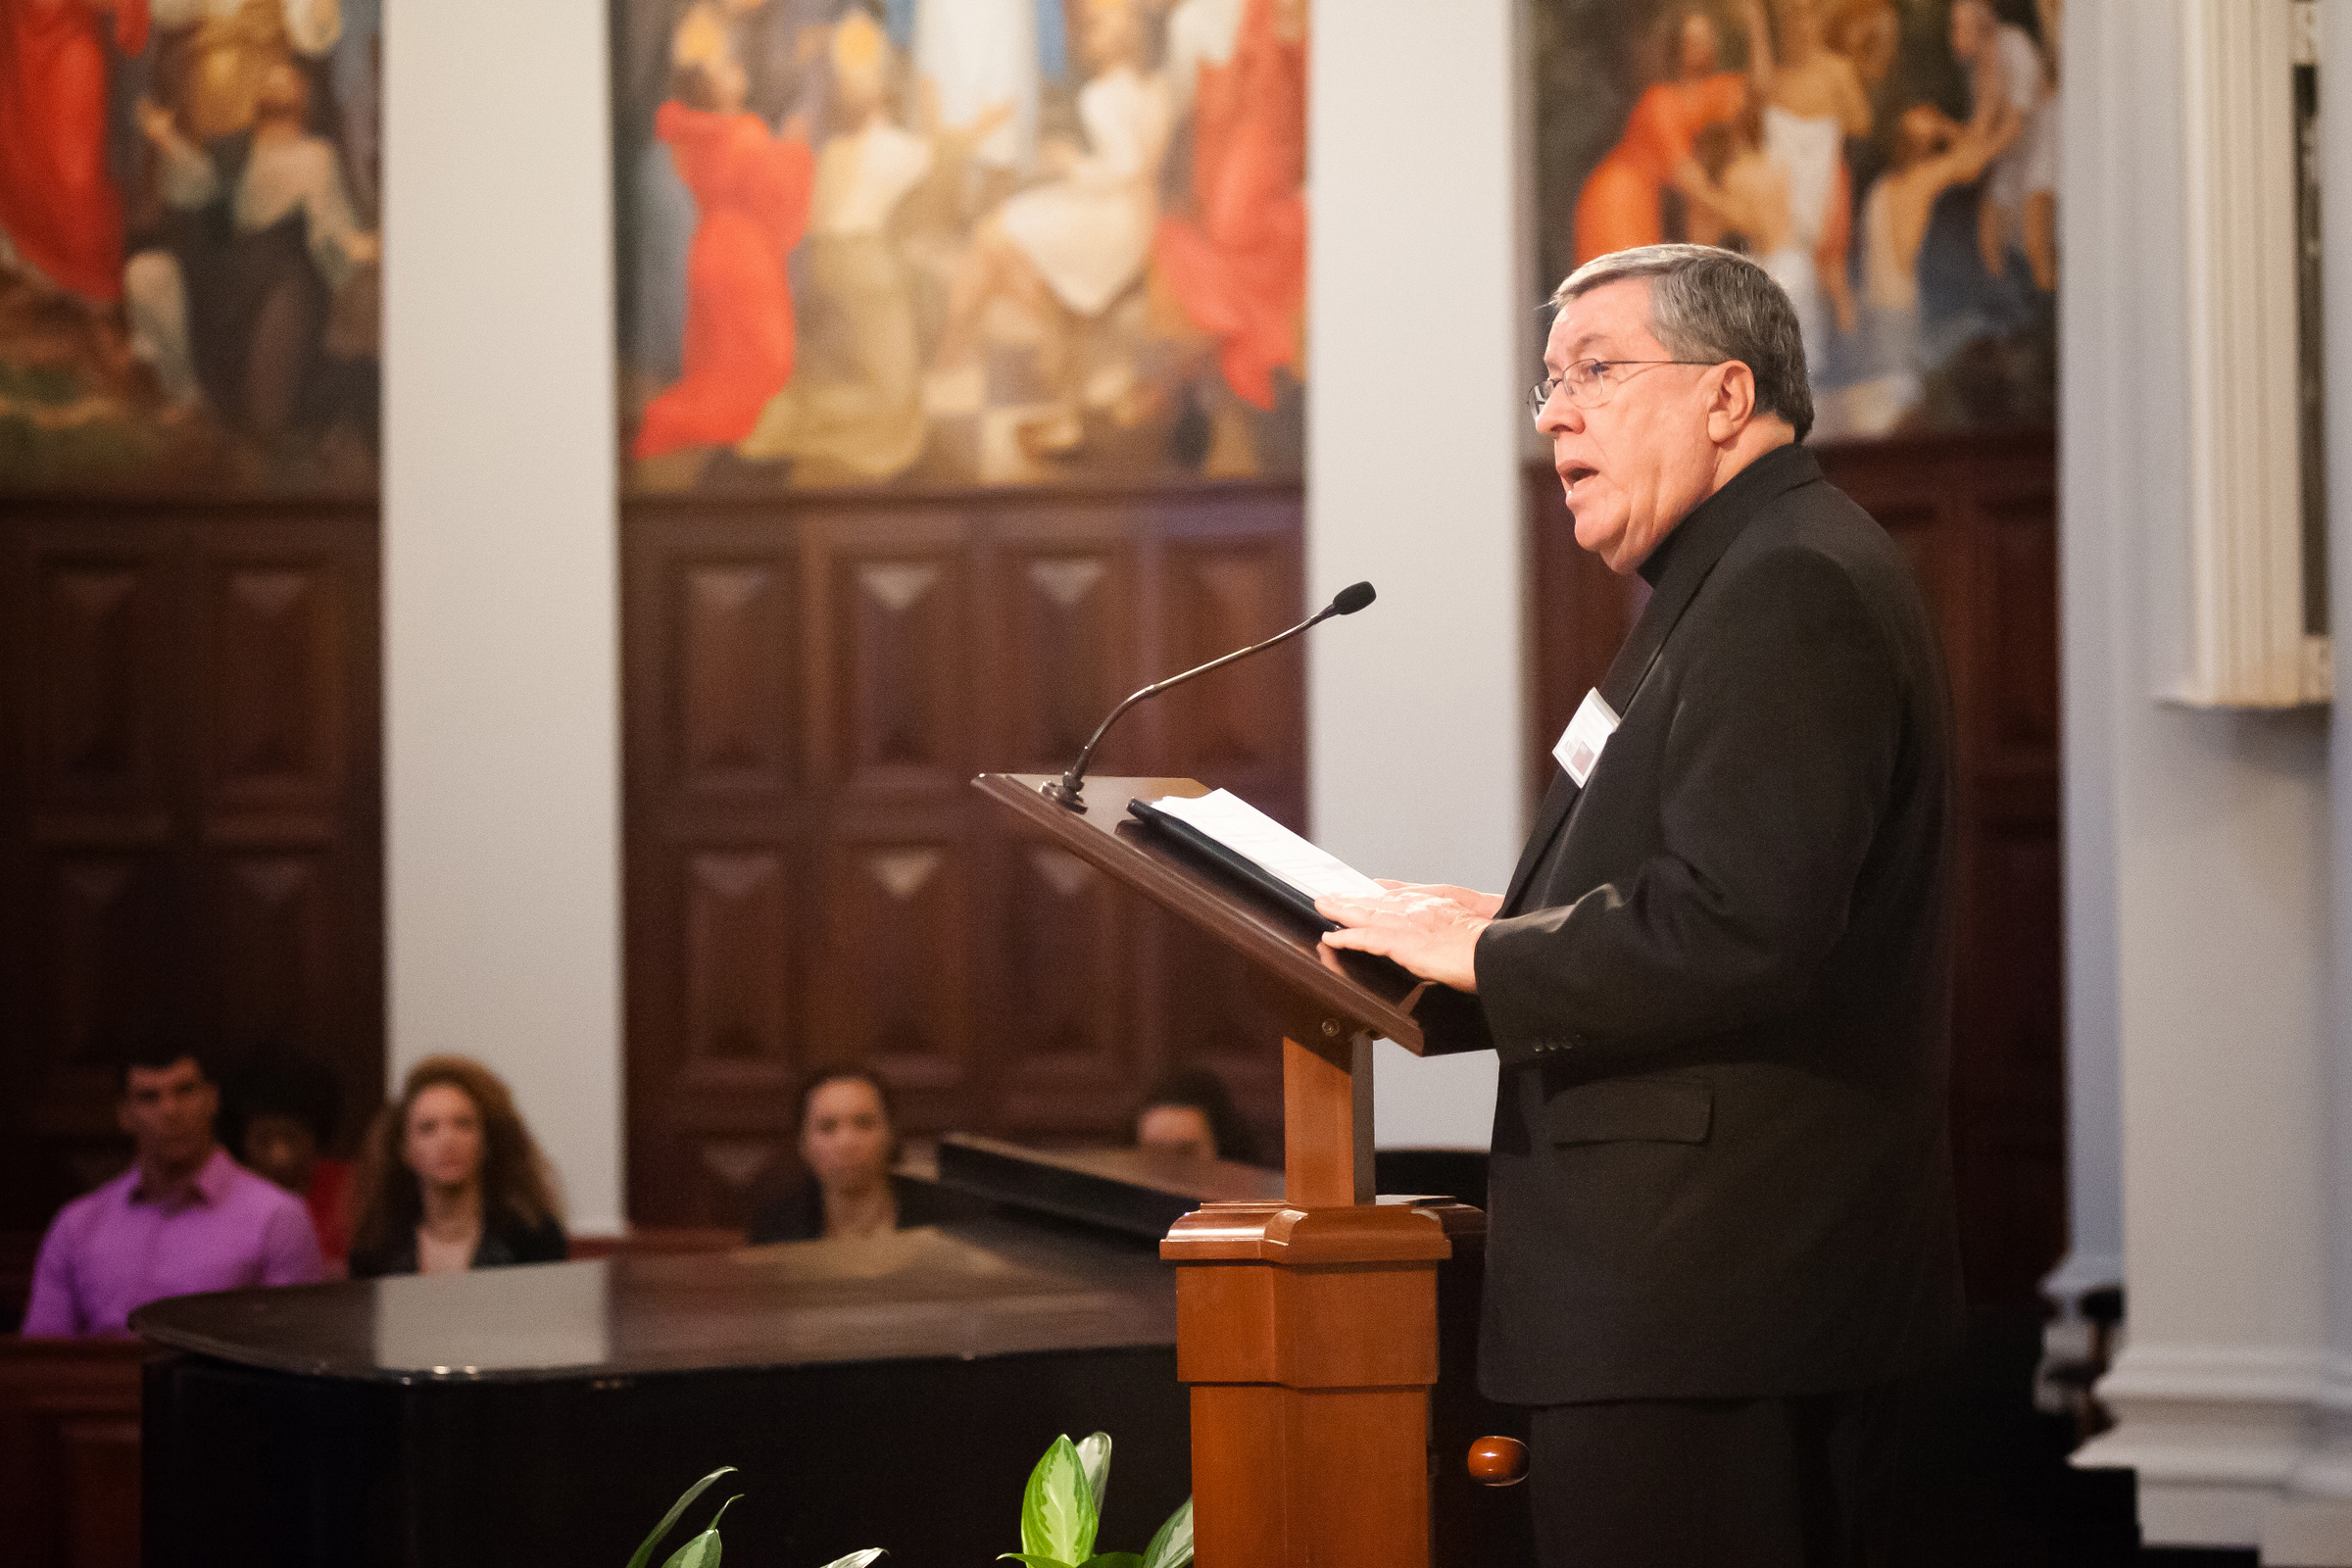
(1720, 980)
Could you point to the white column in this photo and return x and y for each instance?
(501, 687)
(2315, 1526)
(1414, 708)
(2197, 860)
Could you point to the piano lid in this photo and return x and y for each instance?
(974, 1290)
(1135, 1192)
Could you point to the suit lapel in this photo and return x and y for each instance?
(1699, 544)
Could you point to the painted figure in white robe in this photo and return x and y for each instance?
(1817, 100)
(1069, 248)
(972, 55)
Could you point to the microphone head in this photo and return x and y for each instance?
(1348, 601)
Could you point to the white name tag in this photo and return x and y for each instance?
(1581, 742)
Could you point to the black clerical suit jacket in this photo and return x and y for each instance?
(1720, 986)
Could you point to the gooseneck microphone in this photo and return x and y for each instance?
(1347, 601)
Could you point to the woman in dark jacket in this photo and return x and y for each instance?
(848, 1142)
(450, 1179)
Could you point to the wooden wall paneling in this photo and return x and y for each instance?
(1979, 517)
(1231, 578)
(891, 648)
(1239, 728)
(1071, 1053)
(718, 865)
(896, 693)
(1056, 993)
(1215, 1017)
(100, 677)
(2021, 543)
(2009, 1062)
(285, 633)
(808, 689)
(190, 813)
(105, 880)
(897, 961)
(735, 693)
(2008, 1082)
(104, 894)
(1068, 646)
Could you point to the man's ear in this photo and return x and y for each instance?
(1731, 402)
(123, 1112)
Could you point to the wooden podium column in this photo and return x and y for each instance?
(1308, 1332)
(1308, 1328)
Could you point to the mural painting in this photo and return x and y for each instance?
(942, 243)
(189, 258)
(1894, 164)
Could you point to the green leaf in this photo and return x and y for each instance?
(1059, 1518)
(1113, 1559)
(1172, 1548)
(856, 1560)
(1094, 1458)
(644, 1549)
(703, 1550)
(1033, 1559)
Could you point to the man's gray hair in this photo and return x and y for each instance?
(1714, 305)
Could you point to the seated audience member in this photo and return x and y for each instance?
(449, 1180)
(185, 1218)
(1189, 1110)
(848, 1142)
(278, 1111)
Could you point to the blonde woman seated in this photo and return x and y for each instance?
(449, 1180)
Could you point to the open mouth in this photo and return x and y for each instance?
(1576, 473)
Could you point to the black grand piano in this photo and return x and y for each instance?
(892, 1392)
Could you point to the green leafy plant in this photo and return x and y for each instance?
(701, 1550)
(1062, 1507)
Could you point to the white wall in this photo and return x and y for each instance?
(2197, 870)
(501, 687)
(1413, 710)
(2323, 1480)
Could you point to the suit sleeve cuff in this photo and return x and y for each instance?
(1509, 952)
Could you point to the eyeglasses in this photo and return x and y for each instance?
(1586, 381)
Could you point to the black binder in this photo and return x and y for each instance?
(1230, 861)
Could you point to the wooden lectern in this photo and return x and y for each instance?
(1307, 1329)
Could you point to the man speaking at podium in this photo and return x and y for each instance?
(1720, 982)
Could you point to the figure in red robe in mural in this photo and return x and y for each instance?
(1238, 264)
(59, 207)
(1623, 201)
(752, 190)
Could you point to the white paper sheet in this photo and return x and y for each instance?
(1240, 826)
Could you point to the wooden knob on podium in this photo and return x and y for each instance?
(1499, 1461)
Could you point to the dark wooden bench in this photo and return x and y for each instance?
(69, 1451)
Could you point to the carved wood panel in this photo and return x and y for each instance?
(1978, 517)
(189, 808)
(809, 691)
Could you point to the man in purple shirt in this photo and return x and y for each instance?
(186, 1217)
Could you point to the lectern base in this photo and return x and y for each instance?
(1309, 1338)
